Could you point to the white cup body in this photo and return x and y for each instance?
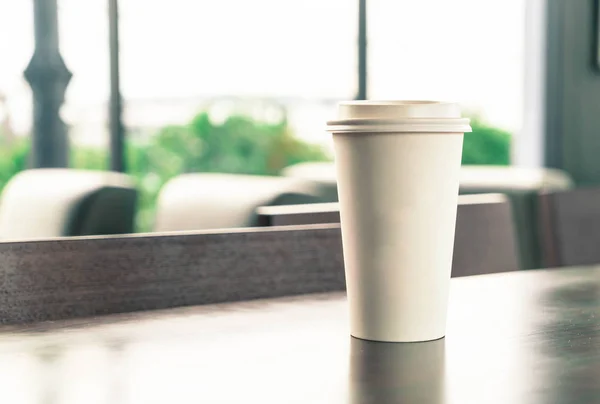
(398, 194)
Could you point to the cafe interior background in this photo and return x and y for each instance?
(150, 92)
(191, 87)
(149, 117)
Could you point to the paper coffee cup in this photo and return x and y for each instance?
(398, 168)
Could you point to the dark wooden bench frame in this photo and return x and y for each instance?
(88, 276)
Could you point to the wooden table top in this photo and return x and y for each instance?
(525, 337)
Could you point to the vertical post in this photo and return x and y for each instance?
(117, 132)
(528, 146)
(597, 36)
(362, 50)
(572, 96)
(48, 77)
(553, 93)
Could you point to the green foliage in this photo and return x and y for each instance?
(238, 144)
(89, 158)
(486, 145)
(13, 158)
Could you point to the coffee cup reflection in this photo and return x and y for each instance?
(397, 372)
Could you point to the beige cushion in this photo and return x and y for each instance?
(322, 175)
(324, 172)
(496, 178)
(212, 201)
(502, 178)
(65, 202)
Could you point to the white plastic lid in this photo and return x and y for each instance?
(398, 116)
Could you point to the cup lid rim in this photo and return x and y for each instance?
(428, 125)
(394, 102)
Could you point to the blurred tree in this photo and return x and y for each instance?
(486, 145)
(238, 144)
(88, 158)
(13, 158)
(7, 134)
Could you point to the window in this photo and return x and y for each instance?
(468, 51)
(464, 50)
(16, 48)
(180, 54)
(84, 46)
(228, 58)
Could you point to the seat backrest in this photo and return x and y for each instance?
(215, 201)
(522, 186)
(321, 174)
(570, 227)
(484, 241)
(82, 277)
(43, 203)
